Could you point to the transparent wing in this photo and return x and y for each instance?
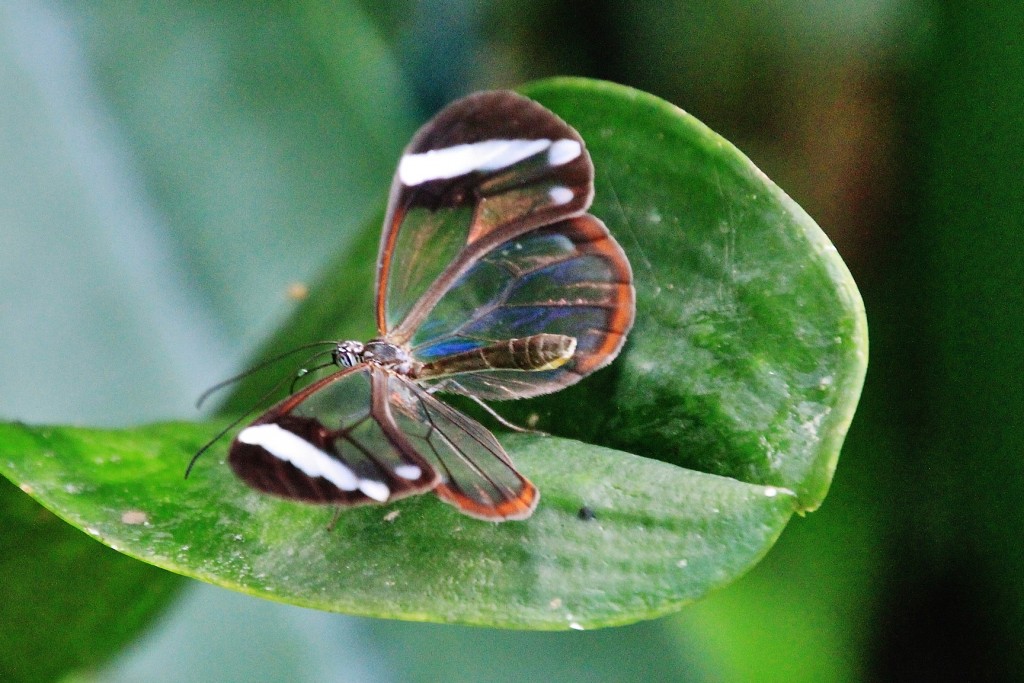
(333, 442)
(475, 473)
(570, 278)
(366, 435)
(489, 167)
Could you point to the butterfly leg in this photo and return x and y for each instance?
(441, 386)
(302, 372)
(334, 518)
(449, 384)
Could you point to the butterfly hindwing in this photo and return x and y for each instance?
(570, 278)
(475, 474)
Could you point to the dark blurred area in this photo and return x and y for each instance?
(899, 126)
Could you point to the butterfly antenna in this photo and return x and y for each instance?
(206, 446)
(261, 401)
(256, 368)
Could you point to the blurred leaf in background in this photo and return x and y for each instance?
(152, 157)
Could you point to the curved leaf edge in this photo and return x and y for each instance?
(812, 490)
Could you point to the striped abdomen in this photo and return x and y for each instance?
(533, 353)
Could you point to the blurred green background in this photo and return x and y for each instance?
(170, 169)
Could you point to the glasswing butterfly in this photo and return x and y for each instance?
(492, 282)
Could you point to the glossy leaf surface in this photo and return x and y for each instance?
(664, 534)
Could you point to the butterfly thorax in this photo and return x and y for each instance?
(348, 354)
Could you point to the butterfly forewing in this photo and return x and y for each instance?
(368, 435)
(570, 279)
(488, 168)
(428, 242)
(475, 474)
(326, 444)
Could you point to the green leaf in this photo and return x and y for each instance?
(664, 533)
(742, 373)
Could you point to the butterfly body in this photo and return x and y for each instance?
(492, 281)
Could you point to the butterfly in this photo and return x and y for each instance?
(492, 282)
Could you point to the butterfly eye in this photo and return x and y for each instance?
(348, 354)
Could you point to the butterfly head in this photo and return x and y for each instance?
(348, 354)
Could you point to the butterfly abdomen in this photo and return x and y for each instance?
(533, 353)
